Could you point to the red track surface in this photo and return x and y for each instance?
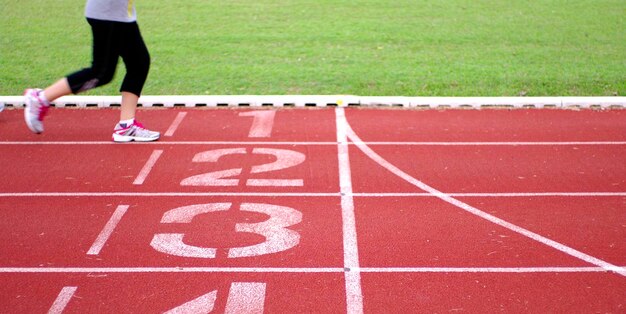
(547, 235)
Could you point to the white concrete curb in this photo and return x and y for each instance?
(618, 102)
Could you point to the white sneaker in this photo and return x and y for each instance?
(35, 110)
(134, 132)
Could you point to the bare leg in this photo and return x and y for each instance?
(129, 106)
(58, 89)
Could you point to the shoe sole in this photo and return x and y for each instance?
(126, 139)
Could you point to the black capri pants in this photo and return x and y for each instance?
(112, 40)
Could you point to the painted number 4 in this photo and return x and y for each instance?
(243, 298)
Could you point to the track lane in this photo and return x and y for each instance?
(405, 219)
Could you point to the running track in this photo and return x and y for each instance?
(315, 210)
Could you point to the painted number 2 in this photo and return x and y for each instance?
(284, 159)
(277, 237)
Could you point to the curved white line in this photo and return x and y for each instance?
(473, 210)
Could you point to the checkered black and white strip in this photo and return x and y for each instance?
(617, 102)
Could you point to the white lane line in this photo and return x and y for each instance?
(516, 270)
(497, 143)
(145, 171)
(594, 143)
(475, 211)
(62, 300)
(165, 194)
(306, 194)
(47, 270)
(546, 194)
(132, 270)
(172, 143)
(104, 235)
(179, 118)
(354, 294)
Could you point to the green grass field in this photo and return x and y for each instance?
(361, 47)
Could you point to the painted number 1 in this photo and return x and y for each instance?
(262, 124)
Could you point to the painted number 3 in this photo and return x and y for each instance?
(284, 159)
(277, 237)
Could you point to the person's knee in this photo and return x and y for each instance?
(105, 76)
(138, 69)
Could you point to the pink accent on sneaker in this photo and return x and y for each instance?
(134, 132)
(43, 110)
(35, 110)
(43, 105)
